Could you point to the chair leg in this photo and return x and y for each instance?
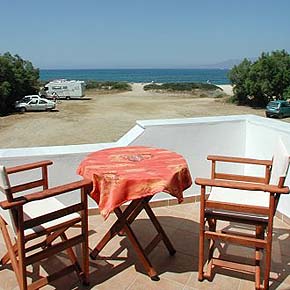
(85, 250)
(201, 234)
(6, 258)
(21, 261)
(212, 228)
(72, 256)
(259, 235)
(85, 243)
(268, 258)
(11, 252)
(201, 252)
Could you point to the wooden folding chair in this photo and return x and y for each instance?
(39, 222)
(242, 199)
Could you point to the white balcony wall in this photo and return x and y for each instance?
(65, 161)
(194, 138)
(262, 135)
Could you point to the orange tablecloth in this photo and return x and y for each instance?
(126, 173)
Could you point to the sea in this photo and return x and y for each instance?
(214, 76)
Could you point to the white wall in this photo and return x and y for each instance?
(193, 138)
(262, 135)
(65, 162)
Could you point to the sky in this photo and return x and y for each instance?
(141, 33)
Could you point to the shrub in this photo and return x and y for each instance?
(180, 87)
(257, 83)
(108, 85)
(18, 78)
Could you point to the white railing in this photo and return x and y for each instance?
(194, 138)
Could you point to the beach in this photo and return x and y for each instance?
(105, 117)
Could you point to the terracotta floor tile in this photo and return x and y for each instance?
(142, 283)
(181, 223)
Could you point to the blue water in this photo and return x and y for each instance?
(216, 76)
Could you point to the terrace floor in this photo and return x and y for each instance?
(123, 270)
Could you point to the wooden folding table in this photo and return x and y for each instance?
(134, 174)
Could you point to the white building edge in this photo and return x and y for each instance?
(194, 138)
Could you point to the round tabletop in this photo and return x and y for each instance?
(122, 174)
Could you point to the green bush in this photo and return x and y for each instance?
(179, 87)
(232, 100)
(257, 83)
(219, 96)
(108, 85)
(18, 78)
(286, 93)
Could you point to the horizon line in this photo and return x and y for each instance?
(120, 68)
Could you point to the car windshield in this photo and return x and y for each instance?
(274, 105)
(25, 99)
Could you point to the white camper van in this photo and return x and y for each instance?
(63, 89)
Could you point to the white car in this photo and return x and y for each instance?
(34, 103)
(28, 97)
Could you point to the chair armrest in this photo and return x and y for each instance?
(54, 191)
(239, 160)
(242, 185)
(28, 166)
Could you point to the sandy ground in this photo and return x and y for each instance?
(106, 117)
(228, 89)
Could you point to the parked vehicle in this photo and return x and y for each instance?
(63, 89)
(28, 97)
(278, 109)
(34, 103)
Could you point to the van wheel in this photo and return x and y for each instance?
(280, 116)
(22, 110)
(67, 97)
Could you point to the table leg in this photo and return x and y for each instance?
(159, 229)
(123, 223)
(107, 237)
(138, 248)
(115, 228)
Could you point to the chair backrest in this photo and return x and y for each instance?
(4, 182)
(4, 192)
(280, 166)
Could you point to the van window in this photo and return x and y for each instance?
(64, 87)
(56, 88)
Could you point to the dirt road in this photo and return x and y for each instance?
(105, 117)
